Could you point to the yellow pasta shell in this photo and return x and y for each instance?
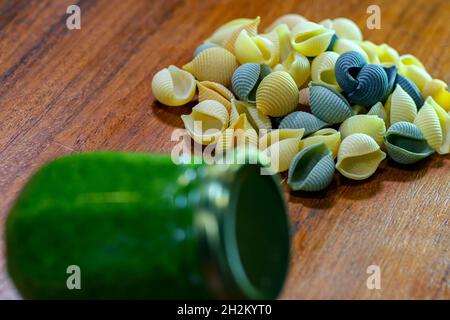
(225, 31)
(345, 28)
(434, 123)
(258, 120)
(310, 39)
(173, 86)
(345, 45)
(330, 137)
(413, 69)
(251, 28)
(322, 70)
(359, 156)
(206, 122)
(240, 133)
(298, 66)
(280, 146)
(213, 64)
(208, 90)
(257, 49)
(277, 94)
(438, 90)
(400, 107)
(370, 51)
(291, 20)
(371, 125)
(284, 41)
(387, 55)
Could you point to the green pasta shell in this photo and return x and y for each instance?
(328, 104)
(246, 79)
(405, 143)
(302, 120)
(312, 169)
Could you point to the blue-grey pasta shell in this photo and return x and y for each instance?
(347, 68)
(391, 73)
(372, 86)
(332, 42)
(300, 119)
(328, 104)
(405, 143)
(204, 46)
(246, 79)
(312, 169)
(410, 89)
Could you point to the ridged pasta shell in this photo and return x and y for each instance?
(345, 28)
(250, 28)
(302, 120)
(277, 94)
(370, 50)
(342, 46)
(246, 79)
(312, 169)
(291, 20)
(204, 46)
(224, 32)
(280, 146)
(405, 143)
(254, 116)
(400, 107)
(298, 66)
(387, 55)
(206, 121)
(310, 39)
(438, 90)
(372, 86)
(347, 68)
(359, 156)
(391, 73)
(239, 134)
(330, 137)
(434, 123)
(410, 89)
(214, 64)
(371, 125)
(257, 49)
(173, 86)
(283, 34)
(329, 105)
(378, 110)
(322, 70)
(411, 67)
(208, 90)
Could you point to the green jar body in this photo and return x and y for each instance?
(128, 221)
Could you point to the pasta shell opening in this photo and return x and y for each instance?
(173, 86)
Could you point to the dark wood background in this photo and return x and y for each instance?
(65, 91)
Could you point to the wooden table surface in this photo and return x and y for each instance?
(64, 91)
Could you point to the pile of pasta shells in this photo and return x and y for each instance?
(316, 95)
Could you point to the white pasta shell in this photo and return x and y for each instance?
(371, 125)
(208, 90)
(280, 146)
(291, 20)
(330, 137)
(345, 45)
(206, 121)
(310, 39)
(400, 107)
(359, 156)
(173, 86)
(213, 64)
(434, 123)
(277, 94)
(322, 70)
(378, 110)
(345, 28)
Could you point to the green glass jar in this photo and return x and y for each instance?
(139, 226)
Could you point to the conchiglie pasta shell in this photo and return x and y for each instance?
(277, 94)
(312, 169)
(420, 77)
(256, 49)
(371, 125)
(372, 86)
(329, 105)
(302, 120)
(322, 70)
(203, 47)
(284, 41)
(344, 45)
(246, 79)
(254, 116)
(359, 156)
(225, 31)
(387, 55)
(208, 90)
(345, 28)
(369, 49)
(391, 73)
(250, 28)
(330, 137)
(347, 68)
(405, 143)
(438, 90)
(298, 66)
(378, 110)
(400, 107)
(434, 123)
(410, 89)
(173, 86)
(310, 39)
(291, 20)
(240, 133)
(214, 64)
(206, 122)
(280, 146)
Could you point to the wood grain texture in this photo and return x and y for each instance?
(65, 91)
